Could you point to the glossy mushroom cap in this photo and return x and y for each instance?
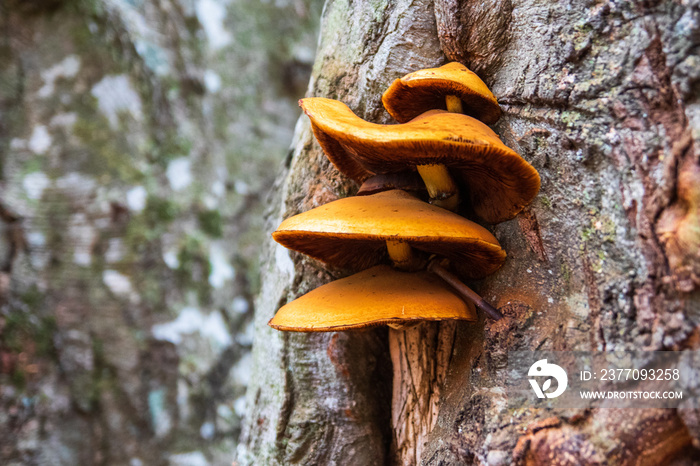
(498, 182)
(352, 232)
(380, 295)
(425, 90)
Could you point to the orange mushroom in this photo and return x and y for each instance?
(359, 232)
(452, 87)
(498, 181)
(377, 296)
(447, 87)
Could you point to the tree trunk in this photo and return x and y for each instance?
(135, 145)
(601, 98)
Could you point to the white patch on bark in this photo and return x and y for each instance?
(240, 305)
(241, 371)
(34, 184)
(83, 236)
(40, 140)
(179, 173)
(116, 95)
(76, 185)
(190, 321)
(212, 81)
(194, 458)
(221, 269)
(65, 120)
(211, 15)
(115, 250)
(283, 261)
(170, 259)
(118, 284)
(67, 68)
(136, 198)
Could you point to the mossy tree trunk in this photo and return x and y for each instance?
(602, 98)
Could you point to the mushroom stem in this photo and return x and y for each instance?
(400, 253)
(454, 104)
(464, 290)
(441, 187)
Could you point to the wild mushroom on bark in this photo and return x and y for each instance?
(499, 182)
(376, 296)
(358, 232)
(452, 87)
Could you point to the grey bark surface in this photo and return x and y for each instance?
(135, 144)
(602, 98)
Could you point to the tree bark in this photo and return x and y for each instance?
(420, 356)
(602, 98)
(135, 145)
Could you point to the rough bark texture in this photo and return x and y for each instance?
(135, 142)
(325, 398)
(602, 98)
(420, 356)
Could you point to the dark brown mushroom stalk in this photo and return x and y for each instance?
(463, 290)
(358, 232)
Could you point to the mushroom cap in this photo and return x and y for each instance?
(352, 232)
(425, 90)
(497, 181)
(380, 295)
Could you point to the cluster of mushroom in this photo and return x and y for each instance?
(441, 136)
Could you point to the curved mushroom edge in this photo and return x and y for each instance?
(366, 325)
(496, 179)
(406, 100)
(426, 89)
(345, 250)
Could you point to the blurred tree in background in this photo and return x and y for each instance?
(138, 140)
